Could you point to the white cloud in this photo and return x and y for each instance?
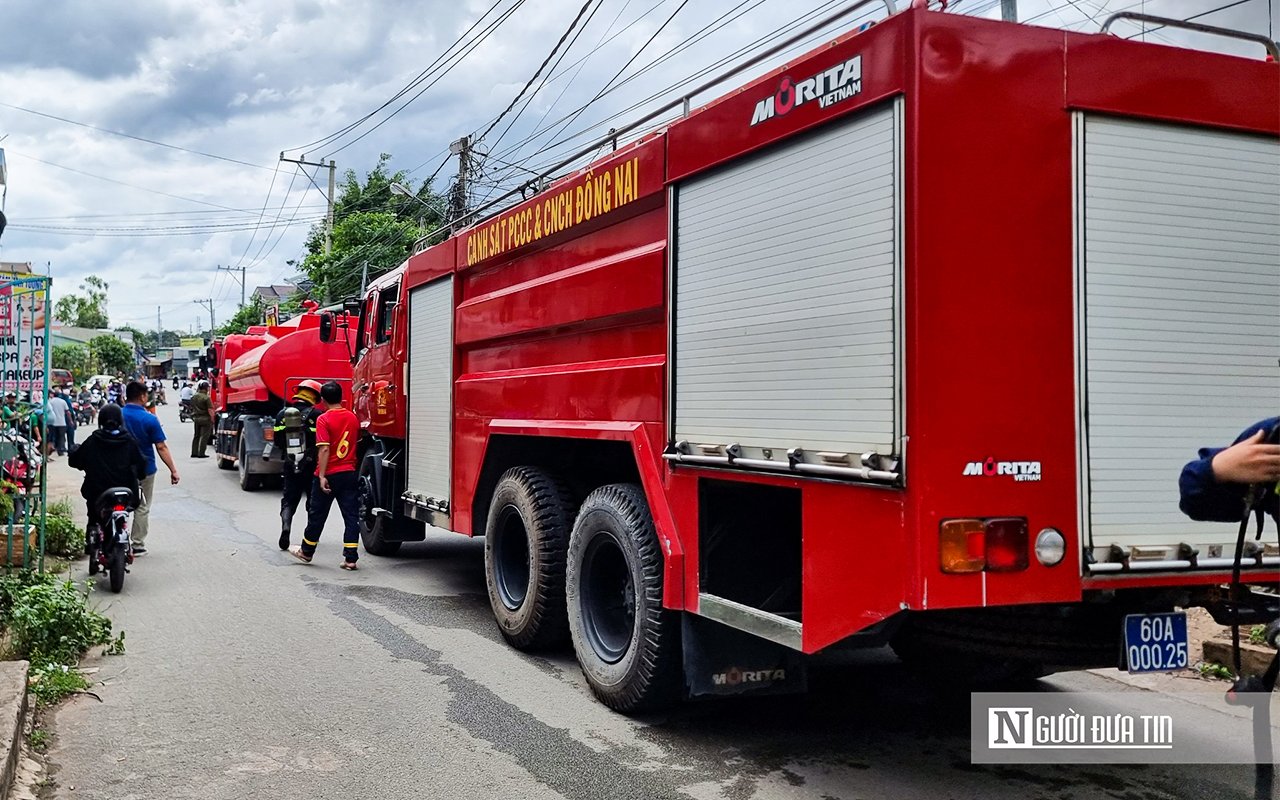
(246, 80)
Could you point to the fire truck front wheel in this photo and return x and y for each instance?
(625, 641)
(524, 551)
(374, 528)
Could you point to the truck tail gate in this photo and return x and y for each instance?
(1178, 315)
(430, 392)
(786, 279)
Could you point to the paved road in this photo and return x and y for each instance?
(249, 675)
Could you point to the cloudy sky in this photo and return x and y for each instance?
(239, 82)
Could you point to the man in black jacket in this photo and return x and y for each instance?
(109, 458)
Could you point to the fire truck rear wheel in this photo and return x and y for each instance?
(627, 644)
(524, 551)
(248, 481)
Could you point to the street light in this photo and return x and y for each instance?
(401, 189)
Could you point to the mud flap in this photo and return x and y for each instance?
(719, 660)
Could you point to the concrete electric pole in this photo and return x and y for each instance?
(459, 199)
(332, 166)
(1009, 10)
(234, 270)
(213, 327)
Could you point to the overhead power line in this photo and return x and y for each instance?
(124, 135)
(572, 25)
(123, 183)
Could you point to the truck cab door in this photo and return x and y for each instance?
(378, 392)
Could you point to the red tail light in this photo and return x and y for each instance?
(118, 508)
(1006, 544)
(995, 544)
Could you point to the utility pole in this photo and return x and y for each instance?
(233, 270)
(1009, 10)
(213, 327)
(159, 333)
(458, 201)
(332, 166)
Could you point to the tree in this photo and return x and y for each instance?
(89, 311)
(374, 227)
(249, 314)
(72, 357)
(110, 355)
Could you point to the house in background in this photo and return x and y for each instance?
(275, 294)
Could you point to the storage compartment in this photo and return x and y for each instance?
(786, 307)
(749, 548)
(1179, 278)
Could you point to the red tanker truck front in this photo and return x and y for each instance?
(906, 342)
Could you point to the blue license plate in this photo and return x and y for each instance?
(1156, 642)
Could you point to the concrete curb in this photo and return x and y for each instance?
(13, 713)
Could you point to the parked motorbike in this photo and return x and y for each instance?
(108, 541)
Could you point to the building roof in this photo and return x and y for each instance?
(276, 292)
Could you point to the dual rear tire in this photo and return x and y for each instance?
(592, 574)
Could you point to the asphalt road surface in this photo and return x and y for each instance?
(250, 675)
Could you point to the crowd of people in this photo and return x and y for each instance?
(322, 472)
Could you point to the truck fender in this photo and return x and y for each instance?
(648, 463)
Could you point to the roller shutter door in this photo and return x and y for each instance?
(1181, 288)
(786, 274)
(430, 392)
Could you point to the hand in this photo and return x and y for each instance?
(174, 478)
(324, 485)
(1248, 462)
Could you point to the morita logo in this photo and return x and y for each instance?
(734, 676)
(1020, 471)
(829, 87)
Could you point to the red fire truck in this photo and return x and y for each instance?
(255, 374)
(904, 342)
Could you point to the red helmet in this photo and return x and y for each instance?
(308, 391)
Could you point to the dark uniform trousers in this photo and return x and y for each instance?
(201, 434)
(296, 480)
(346, 493)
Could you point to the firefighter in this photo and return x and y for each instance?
(337, 434)
(298, 471)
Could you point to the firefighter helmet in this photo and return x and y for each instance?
(308, 391)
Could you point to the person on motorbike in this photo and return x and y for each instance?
(109, 458)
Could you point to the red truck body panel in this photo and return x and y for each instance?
(561, 307)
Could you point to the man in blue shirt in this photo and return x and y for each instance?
(1213, 486)
(145, 428)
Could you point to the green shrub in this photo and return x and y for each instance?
(62, 536)
(50, 623)
(52, 682)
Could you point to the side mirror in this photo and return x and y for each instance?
(326, 327)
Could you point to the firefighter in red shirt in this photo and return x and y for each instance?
(337, 431)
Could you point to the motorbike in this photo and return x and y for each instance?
(108, 542)
(84, 413)
(184, 411)
(20, 464)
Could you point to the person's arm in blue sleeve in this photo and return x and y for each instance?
(1213, 489)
